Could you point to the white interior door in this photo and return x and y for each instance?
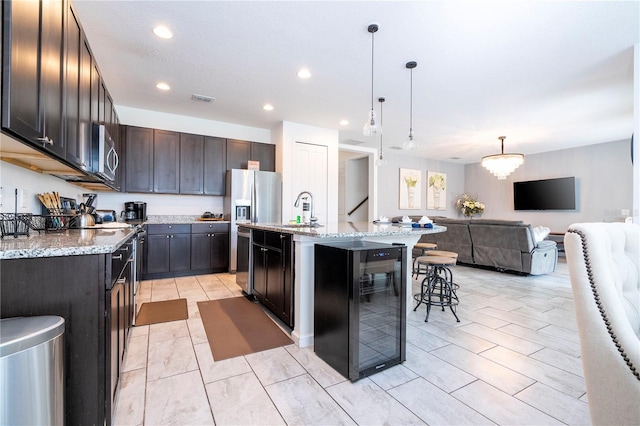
(310, 174)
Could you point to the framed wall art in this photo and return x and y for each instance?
(436, 191)
(410, 189)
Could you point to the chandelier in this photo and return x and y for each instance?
(502, 165)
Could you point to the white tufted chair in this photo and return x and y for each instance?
(604, 265)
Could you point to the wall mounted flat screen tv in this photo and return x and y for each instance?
(545, 194)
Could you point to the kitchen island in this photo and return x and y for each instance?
(304, 240)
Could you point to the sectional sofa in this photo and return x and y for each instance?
(501, 244)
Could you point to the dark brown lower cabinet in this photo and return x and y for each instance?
(183, 249)
(97, 321)
(209, 247)
(273, 272)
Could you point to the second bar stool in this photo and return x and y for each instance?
(437, 287)
(424, 247)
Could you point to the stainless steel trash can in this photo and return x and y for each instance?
(32, 371)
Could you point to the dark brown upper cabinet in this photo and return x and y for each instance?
(139, 159)
(191, 164)
(32, 96)
(166, 162)
(240, 152)
(78, 94)
(215, 165)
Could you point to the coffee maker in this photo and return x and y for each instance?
(129, 212)
(135, 211)
(140, 208)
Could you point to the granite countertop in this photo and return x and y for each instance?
(346, 229)
(178, 219)
(72, 242)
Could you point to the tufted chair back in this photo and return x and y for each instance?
(604, 266)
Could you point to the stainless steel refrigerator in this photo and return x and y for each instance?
(252, 196)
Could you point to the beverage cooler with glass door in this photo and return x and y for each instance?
(360, 306)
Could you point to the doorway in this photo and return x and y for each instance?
(356, 185)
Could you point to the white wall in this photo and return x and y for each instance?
(636, 132)
(12, 177)
(389, 184)
(199, 126)
(604, 185)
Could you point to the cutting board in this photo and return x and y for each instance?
(209, 219)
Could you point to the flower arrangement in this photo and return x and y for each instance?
(469, 206)
(410, 180)
(438, 182)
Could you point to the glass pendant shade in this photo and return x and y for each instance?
(372, 127)
(502, 165)
(409, 143)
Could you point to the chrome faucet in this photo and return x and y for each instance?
(313, 221)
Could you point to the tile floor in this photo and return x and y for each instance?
(513, 359)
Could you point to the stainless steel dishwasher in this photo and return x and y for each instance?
(243, 266)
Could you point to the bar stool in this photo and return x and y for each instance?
(424, 247)
(437, 287)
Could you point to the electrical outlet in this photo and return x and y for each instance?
(624, 212)
(23, 198)
(0, 196)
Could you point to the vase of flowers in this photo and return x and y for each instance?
(411, 182)
(469, 205)
(438, 183)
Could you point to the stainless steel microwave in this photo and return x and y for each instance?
(105, 157)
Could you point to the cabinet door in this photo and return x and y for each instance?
(274, 296)
(32, 72)
(84, 106)
(287, 260)
(259, 272)
(200, 251)
(180, 252)
(157, 253)
(215, 165)
(166, 162)
(20, 95)
(139, 159)
(191, 164)
(237, 154)
(264, 153)
(95, 93)
(220, 251)
(51, 82)
(72, 92)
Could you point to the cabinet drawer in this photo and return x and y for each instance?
(257, 236)
(168, 229)
(274, 239)
(205, 228)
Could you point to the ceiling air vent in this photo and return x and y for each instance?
(396, 147)
(202, 98)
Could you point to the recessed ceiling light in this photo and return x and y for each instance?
(163, 86)
(304, 73)
(162, 32)
(344, 122)
(267, 107)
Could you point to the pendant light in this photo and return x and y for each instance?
(371, 127)
(381, 161)
(501, 165)
(410, 143)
